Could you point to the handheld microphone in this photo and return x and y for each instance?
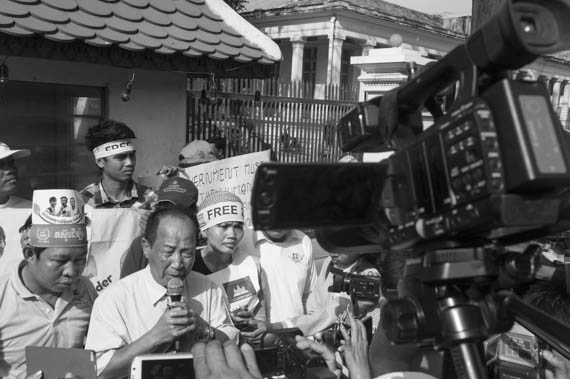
(174, 289)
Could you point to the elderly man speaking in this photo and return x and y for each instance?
(139, 315)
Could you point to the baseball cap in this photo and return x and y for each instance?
(6, 152)
(196, 152)
(179, 191)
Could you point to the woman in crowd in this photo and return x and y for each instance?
(222, 222)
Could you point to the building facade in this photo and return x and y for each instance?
(319, 38)
(67, 65)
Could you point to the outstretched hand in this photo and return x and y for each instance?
(220, 361)
(355, 349)
(325, 351)
(256, 335)
(557, 367)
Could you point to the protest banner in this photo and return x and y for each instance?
(10, 221)
(111, 233)
(233, 174)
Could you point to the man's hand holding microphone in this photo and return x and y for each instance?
(178, 322)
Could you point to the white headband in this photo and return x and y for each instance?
(112, 148)
(219, 213)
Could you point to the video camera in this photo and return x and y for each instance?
(493, 170)
(359, 287)
(493, 166)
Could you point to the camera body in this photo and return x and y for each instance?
(491, 167)
(493, 170)
(359, 287)
(515, 355)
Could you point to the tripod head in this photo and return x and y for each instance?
(454, 299)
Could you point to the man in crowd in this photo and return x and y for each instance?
(45, 300)
(9, 177)
(112, 145)
(221, 218)
(134, 316)
(294, 294)
(172, 192)
(193, 154)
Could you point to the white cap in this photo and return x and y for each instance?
(6, 152)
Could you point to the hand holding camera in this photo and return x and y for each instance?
(215, 360)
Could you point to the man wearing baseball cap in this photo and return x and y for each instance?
(112, 145)
(193, 154)
(45, 299)
(173, 192)
(9, 177)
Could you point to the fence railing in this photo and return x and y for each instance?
(244, 116)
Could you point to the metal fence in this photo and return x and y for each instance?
(244, 116)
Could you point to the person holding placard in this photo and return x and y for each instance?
(221, 218)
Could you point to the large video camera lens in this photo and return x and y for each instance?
(400, 319)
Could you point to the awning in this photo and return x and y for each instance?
(195, 36)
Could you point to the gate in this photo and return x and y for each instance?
(241, 117)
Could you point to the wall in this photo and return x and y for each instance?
(156, 111)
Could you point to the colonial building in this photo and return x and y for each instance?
(67, 64)
(318, 38)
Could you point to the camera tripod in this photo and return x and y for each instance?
(454, 299)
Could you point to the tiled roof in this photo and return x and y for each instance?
(371, 8)
(202, 30)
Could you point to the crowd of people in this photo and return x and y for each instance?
(229, 293)
(228, 296)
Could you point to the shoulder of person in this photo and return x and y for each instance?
(198, 280)
(119, 290)
(141, 188)
(87, 287)
(243, 256)
(89, 190)
(4, 280)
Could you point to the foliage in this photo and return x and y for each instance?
(237, 5)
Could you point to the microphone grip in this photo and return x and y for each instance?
(177, 345)
(177, 341)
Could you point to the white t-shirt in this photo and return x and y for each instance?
(241, 279)
(294, 291)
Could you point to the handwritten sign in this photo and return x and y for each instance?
(234, 175)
